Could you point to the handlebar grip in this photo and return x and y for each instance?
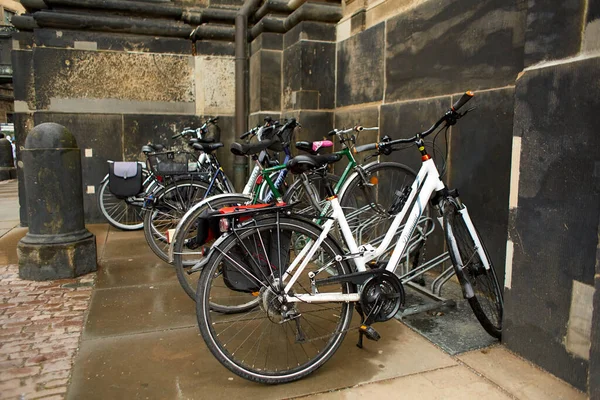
(176, 136)
(365, 147)
(245, 135)
(332, 133)
(463, 100)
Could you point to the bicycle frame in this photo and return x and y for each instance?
(427, 182)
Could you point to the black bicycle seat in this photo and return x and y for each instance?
(207, 147)
(240, 149)
(306, 163)
(151, 148)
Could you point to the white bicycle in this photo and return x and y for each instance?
(307, 286)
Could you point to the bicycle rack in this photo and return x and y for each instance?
(404, 272)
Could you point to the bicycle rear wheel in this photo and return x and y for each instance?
(480, 285)
(120, 213)
(170, 205)
(276, 342)
(186, 249)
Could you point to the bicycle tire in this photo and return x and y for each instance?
(170, 206)
(184, 256)
(461, 247)
(118, 212)
(308, 324)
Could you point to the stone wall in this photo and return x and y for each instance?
(116, 92)
(530, 146)
(555, 196)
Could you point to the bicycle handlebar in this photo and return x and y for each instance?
(450, 116)
(468, 95)
(356, 128)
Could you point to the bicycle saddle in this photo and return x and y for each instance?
(306, 163)
(197, 140)
(313, 147)
(240, 149)
(151, 148)
(207, 147)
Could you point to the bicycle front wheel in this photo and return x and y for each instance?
(170, 205)
(278, 341)
(369, 201)
(120, 213)
(480, 285)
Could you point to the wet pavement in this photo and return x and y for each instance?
(9, 206)
(140, 341)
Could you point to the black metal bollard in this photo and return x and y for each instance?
(57, 245)
(7, 164)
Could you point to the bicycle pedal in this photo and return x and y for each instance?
(369, 332)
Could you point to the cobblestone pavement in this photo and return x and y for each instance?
(40, 329)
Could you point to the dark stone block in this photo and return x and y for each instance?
(309, 30)
(593, 11)
(265, 81)
(102, 134)
(315, 124)
(309, 66)
(555, 226)
(480, 161)
(267, 41)
(305, 100)
(112, 41)
(357, 21)
(215, 48)
(360, 67)
(5, 49)
(23, 125)
(24, 40)
(449, 46)
(553, 29)
(22, 63)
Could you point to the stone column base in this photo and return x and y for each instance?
(48, 261)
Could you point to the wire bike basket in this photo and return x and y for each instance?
(165, 163)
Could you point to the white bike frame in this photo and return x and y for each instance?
(427, 182)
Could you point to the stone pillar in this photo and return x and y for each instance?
(308, 74)
(57, 245)
(7, 164)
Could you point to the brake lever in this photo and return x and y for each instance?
(459, 116)
(367, 158)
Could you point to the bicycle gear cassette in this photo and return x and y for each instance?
(381, 297)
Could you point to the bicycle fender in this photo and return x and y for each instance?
(202, 204)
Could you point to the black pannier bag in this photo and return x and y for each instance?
(125, 179)
(259, 257)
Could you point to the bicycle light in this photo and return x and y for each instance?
(224, 225)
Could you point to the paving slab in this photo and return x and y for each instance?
(125, 244)
(140, 270)
(451, 383)
(136, 309)
(176, 364)
(517, 376)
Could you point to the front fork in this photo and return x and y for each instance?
(438, 202)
